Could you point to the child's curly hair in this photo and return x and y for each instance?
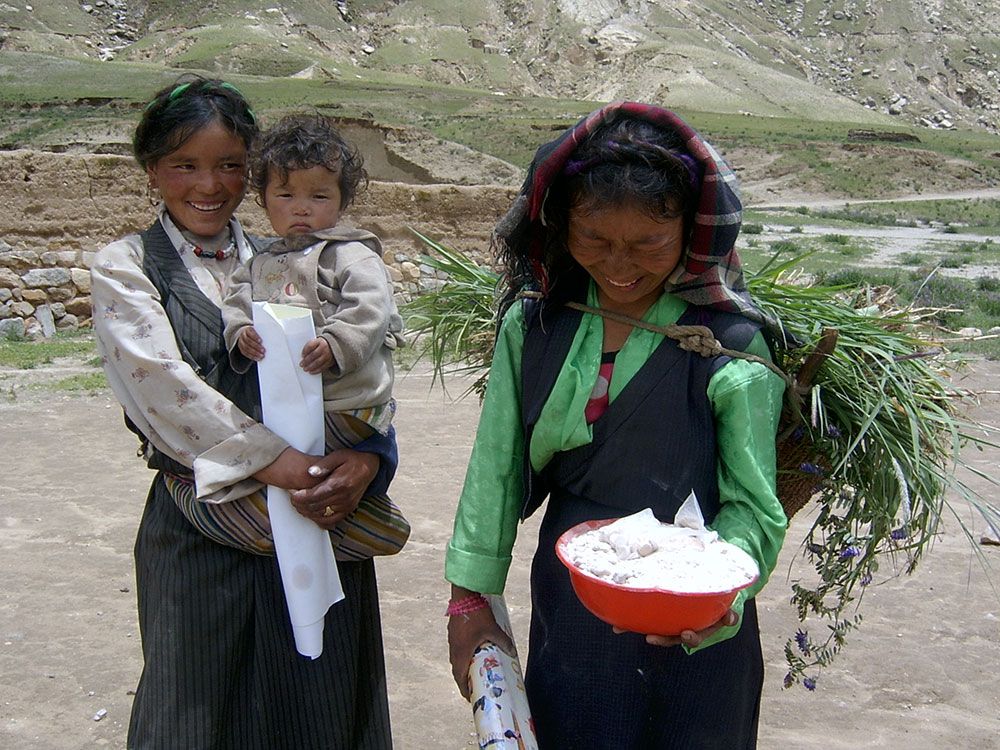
(303, 141)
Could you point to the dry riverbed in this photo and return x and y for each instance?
(920, 674)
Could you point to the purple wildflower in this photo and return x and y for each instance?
(798, 433)
(865, 579)
(815, 549)
(898, 534)
(849, 552)
(808, 468)
(832, 431)
(802, 639)
(789, 680)
(809, 683)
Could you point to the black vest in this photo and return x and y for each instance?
(656, 441)
(198, 326)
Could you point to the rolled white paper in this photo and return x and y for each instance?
(499, 703)
(292, 406)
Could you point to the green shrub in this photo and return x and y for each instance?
(786, 246)
(910, 259)
(989, 303)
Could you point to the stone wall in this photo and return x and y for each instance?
(59, 209)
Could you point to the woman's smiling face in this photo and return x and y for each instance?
(203, 180)
(627, 252)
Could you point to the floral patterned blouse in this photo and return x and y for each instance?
(175, 409)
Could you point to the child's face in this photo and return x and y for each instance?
(307, 201)
(202, 181)
(627, 252)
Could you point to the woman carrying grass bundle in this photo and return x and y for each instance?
(631, 215)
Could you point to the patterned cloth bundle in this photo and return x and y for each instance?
(376, 527)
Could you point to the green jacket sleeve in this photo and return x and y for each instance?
(746, 399)
(479, 553)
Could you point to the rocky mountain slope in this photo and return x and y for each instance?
(809, 99)
(927, 62)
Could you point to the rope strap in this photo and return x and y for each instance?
(701, 340)
(697, 339)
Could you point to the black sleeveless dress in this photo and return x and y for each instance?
(588, 687)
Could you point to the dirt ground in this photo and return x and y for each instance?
(922, 672)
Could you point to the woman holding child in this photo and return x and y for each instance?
(220, 670)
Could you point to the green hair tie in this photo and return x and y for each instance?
(178, 91)
(231, 87)
(181, 88)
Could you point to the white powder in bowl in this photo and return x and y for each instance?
(641, 552)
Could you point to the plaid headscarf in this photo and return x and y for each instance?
(709, 273)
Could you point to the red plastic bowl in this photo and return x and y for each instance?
(649, 611)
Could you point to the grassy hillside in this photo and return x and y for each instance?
(779, 86)
(829, 60)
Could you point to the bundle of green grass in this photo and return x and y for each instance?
(869, 447)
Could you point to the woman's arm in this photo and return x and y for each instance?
(180, 414)
(747, 399)
(347, 475)
(337, 482)
(479, 553)
(385, 448)
(467, 631)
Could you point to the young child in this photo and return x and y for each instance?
(305, 175)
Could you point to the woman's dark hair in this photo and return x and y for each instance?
(626, 162)
(303, 141)
(180, 110)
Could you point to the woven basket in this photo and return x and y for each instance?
(801, 465)
(795, 484)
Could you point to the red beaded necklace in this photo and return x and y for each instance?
(220, 254)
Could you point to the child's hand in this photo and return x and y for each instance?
(250, 344)
(316, 356)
